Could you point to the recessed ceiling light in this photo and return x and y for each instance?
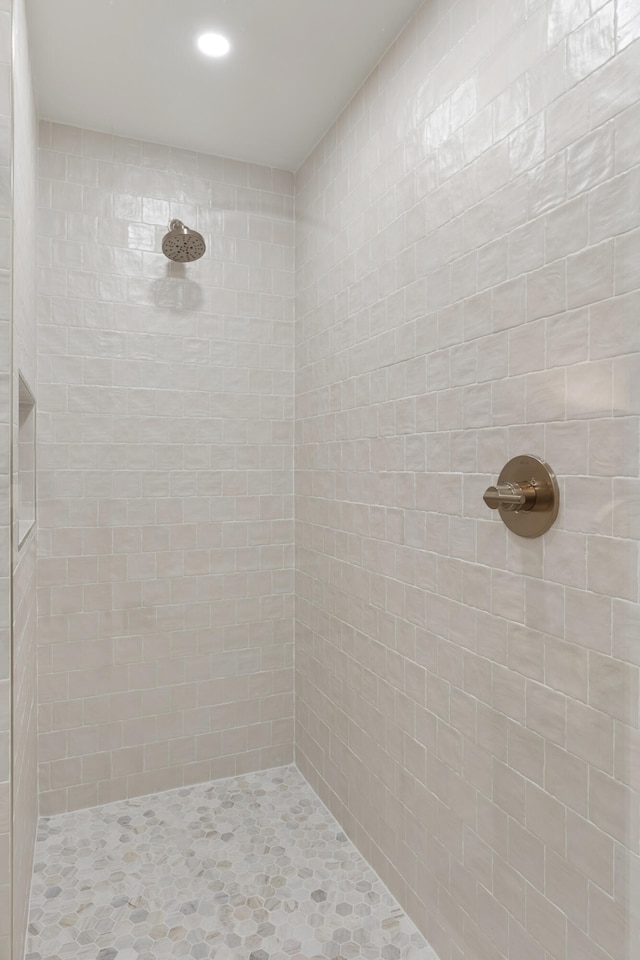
(213, 44)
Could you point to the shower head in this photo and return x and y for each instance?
(182, 244)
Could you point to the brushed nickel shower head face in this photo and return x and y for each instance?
(181, 244)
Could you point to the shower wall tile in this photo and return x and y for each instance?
(18, 795)
(166, 453)
(5, 505)
(467, 290)
(25, 701)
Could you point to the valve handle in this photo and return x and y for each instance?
(511, 496)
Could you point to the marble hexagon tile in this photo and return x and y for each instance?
(251, 868)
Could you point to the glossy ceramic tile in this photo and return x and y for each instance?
(467, 291)
(165, 589)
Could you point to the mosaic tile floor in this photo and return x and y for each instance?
(252, 868)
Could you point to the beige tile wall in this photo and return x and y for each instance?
(165, 443)
(25, 789)
(5, 480)
(467, 290)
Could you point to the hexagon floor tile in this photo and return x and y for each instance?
(252, 868)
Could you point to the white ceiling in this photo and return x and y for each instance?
(130, 67)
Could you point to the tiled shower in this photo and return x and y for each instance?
(261, 539)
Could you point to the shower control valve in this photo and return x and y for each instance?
(526, 496)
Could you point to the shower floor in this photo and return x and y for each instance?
(251, 868)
